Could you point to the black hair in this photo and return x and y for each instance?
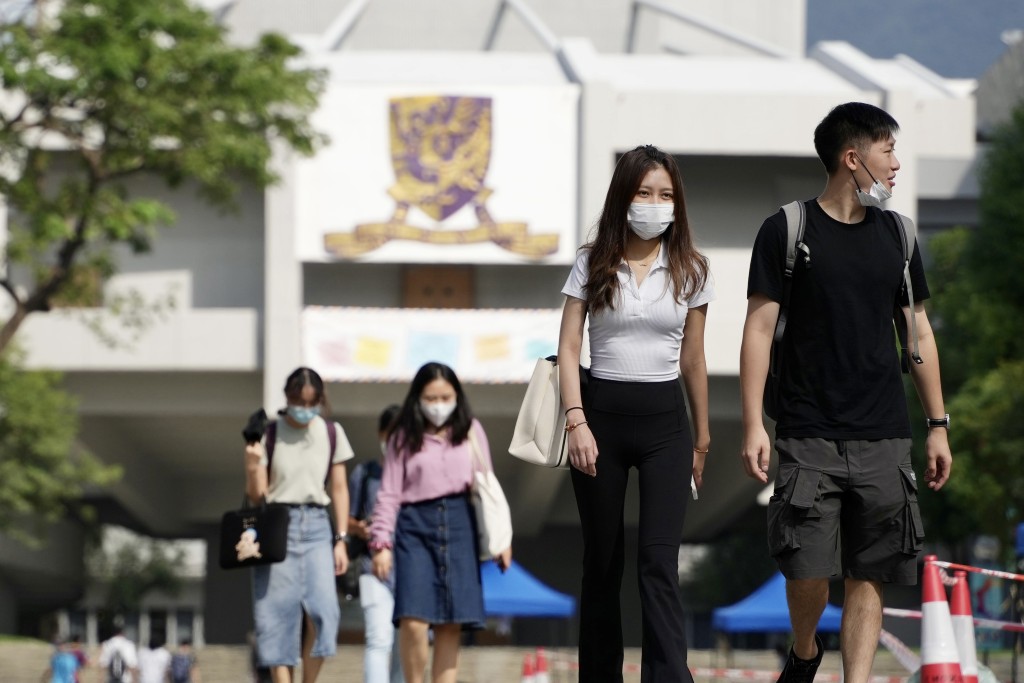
(856, 124)
(409, 426)
(387, 417)
(301, 378)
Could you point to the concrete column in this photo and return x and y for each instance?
(172, 628)
(199, 630)
(92, 631)
(596, 129)
(283, 290)
(902, 106)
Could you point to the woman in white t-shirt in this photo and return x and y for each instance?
(297, 463)
(642, 283)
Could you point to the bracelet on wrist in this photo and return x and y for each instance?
(573, 408)
(702, 451)
(572, 427)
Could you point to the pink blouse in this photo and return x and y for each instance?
(438, 469)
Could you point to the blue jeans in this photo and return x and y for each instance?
(378, 607)
(303, 582)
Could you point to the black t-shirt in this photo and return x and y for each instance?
(840, 366)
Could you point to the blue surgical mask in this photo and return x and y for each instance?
(302, 414)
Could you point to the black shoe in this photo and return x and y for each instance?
(802, 670)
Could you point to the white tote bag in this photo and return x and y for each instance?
(493, 516)
(539, 436)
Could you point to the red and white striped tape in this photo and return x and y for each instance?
(979, 570)
(980, 623)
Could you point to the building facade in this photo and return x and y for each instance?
(471, 144)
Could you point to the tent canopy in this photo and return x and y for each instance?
(765, 610)
(517, 593)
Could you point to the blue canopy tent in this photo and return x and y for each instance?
(517, 593)
(765, 611)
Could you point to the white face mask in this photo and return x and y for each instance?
(875, 195)
(650, 220)
(438, 412)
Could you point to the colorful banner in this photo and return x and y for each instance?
(390, 344)
(441, 176)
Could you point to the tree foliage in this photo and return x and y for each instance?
(102, 91)
(41, 470)
(130, 566)
(978, 298)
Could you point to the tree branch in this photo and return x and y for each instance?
(39, 300)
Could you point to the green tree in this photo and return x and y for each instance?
(41, 470)
(130, 567)
(96, 93)
(978, 296)
(105, 90)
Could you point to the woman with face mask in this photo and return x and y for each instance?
(423, 522)
(646, 289)
(299, 463)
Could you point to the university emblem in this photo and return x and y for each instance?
(440, 152)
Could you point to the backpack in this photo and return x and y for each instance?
(181, 668)
(116, 669)
(796, 223)
(64, 665)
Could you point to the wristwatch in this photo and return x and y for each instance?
(340, 538)
(938, 421)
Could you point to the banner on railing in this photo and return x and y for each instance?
(390, 344)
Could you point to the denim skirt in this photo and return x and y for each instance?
(302, 582)
(437, 574)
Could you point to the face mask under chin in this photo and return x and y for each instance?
(875, 195)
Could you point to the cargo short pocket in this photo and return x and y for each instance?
(913, 527)
(795, 500)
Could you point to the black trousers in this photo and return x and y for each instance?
(642, 425)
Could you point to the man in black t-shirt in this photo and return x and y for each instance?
(845, 487)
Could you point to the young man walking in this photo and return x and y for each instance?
(845, 494)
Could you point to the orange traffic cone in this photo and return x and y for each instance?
(541, 676)
(939, 661)
(528, 676)
(963, 627)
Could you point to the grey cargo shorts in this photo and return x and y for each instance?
(849, 500)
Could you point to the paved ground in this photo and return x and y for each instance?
(24, 663)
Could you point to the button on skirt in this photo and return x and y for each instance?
(437, 574)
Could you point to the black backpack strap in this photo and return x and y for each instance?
(908, 238)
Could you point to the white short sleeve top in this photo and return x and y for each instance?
(300, 462)
(638, 340)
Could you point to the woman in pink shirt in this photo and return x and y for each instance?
(423, 523)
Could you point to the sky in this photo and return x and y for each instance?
(954, 38)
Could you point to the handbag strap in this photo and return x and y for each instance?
(478, 456)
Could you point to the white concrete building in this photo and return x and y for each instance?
(472, 142)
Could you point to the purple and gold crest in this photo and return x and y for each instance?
(440, 152)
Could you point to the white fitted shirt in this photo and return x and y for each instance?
(638, 340)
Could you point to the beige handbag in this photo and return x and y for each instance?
(539, 436)
(493, 516)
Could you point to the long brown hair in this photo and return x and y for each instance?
(687, 266)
